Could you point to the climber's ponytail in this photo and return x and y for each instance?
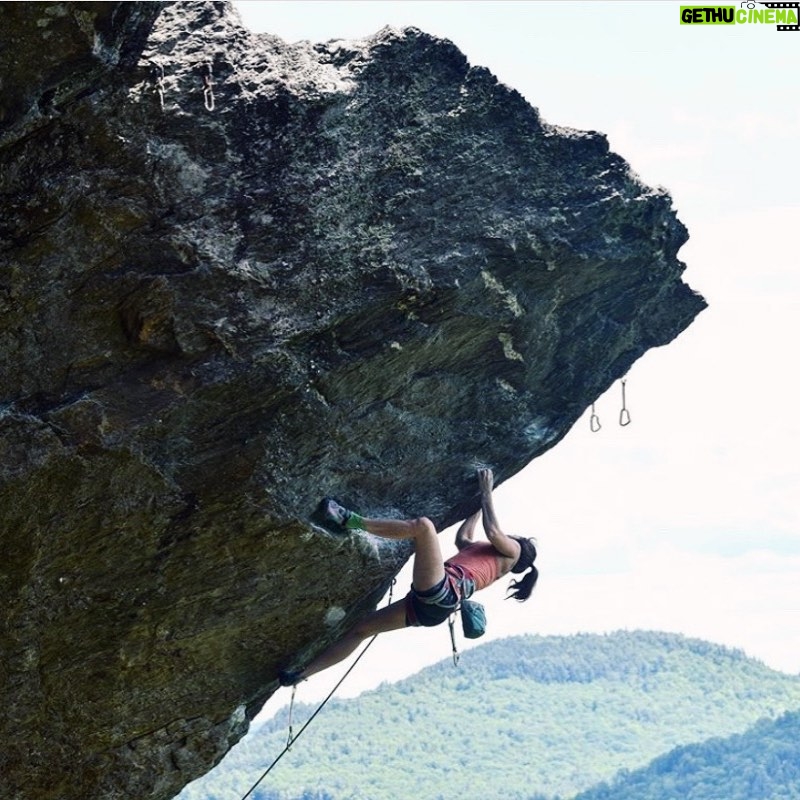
(521, 589)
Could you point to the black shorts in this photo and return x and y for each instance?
(433, 606)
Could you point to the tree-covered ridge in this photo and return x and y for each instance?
(761, 764)
(521, 717)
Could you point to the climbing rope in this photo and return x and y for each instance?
(293, 739)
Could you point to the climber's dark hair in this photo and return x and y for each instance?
(521, 589)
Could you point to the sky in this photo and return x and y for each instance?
(686, 520)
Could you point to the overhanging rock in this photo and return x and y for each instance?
(237, 275)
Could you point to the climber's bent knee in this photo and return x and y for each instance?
(422, 526)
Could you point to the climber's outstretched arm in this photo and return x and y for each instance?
(504, 544)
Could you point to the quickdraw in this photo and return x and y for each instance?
(594, 421)
(624, 414)
(158, 77)
(292, 737)
(208, 90)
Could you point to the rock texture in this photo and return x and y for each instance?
(237, 275)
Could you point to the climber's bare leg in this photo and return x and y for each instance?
(428, 560)
(428, 571)
(388, 618)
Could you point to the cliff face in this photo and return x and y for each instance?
(237, 275)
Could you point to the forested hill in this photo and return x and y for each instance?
(761, 764)
(525, 717)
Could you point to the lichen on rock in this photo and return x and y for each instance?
(238, 275)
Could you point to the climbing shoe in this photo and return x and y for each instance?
(336, 518)
(333, 512)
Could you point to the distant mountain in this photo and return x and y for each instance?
(761, 764)
(521, 718)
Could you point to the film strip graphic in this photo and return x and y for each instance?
(795, 6)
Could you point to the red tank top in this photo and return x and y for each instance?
(478, 562)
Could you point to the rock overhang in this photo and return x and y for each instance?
(362, 270)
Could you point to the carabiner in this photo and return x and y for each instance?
(594, 422)
(624, 414)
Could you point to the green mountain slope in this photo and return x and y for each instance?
(761, 764)
(521, 717)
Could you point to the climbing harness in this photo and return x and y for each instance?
(293, 739)
(594, 421)
(208, 91)
(624, 414)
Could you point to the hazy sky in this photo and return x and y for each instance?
(687, 520)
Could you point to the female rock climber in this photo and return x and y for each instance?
(436, 584)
